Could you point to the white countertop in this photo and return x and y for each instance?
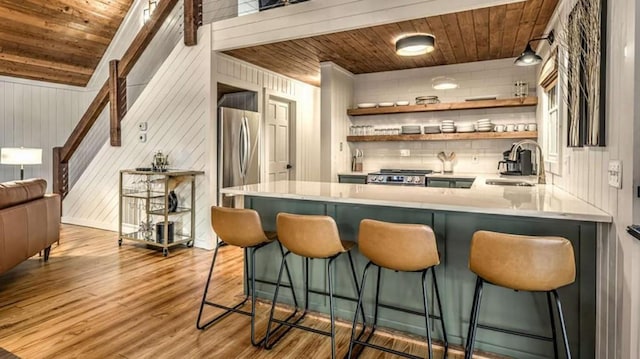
(541, 201)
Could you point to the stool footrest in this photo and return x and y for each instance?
(515, 332)
(228, 310)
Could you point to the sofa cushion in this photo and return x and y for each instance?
(13, 193)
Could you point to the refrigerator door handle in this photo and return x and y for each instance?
(241, 151)
(247, 142)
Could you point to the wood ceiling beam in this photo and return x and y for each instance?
(57, 66)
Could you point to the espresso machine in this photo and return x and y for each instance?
(522, 166)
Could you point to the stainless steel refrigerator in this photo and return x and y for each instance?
(238, 150)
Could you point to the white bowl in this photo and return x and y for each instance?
(385, 104)
(366, 105)
(402, 103)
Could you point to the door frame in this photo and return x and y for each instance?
(280, 97)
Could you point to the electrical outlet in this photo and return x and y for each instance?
(615, 173)
(142, 126)
(405, 153)
(475, 158)
(142, 137)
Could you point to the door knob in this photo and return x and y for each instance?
(289, 166)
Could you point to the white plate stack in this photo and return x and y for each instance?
(448, 126)
(484, 125)
(466, 127)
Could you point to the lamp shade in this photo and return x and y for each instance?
(415, 45)
(528, 57)
(20, 156)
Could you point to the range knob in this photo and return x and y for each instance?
(409, 179)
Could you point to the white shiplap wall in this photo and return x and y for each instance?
(337, 97)
(37, 114)
(169, 34)
(494, 78)
(231, 71)
(175, 105)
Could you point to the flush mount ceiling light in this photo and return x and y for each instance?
(444, 83)
(528, 56)
(415, 45)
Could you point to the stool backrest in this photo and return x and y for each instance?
(237, 227)
(404, 247)
(310, 236)
(518, 262)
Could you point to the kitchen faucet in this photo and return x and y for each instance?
(514, 156)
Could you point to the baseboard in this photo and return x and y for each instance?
(90, 223)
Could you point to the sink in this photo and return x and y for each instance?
(502, 182)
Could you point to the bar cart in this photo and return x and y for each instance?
(157, 208)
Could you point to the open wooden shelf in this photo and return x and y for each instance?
(467, 105)
(447, 136)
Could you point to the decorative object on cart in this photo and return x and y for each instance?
(146, 229)
(160, 232)
(528, 56)
(444, 83)
(584, 41)
(415, 45)
(160, 162)
(20, 156)
(172, 201)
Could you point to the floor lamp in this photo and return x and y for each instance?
(20, 156)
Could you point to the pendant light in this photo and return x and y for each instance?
(528, 56)
(415, 45)
(444, 83)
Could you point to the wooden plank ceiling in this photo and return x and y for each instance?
(477, 35)
(57, 40)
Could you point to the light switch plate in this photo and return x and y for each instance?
(142, 126)
(405, 153)
(142, 137)
(615, 173)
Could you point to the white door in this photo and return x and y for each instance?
(277, 124)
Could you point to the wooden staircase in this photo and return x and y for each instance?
(113, 91)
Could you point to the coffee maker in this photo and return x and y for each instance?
(522, 166)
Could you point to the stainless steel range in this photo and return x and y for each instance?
(398, 177)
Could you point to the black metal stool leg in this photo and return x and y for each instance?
(331, 310)
(355, 282)
(275, 299)
(562, 325)
(426, 313)
(375, 314)
(206, 289)
(444, 331)
(553, 326)
(286, 268)
(252, 265)
(358, 307)
(473, 324)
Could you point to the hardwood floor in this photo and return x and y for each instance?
(96, 300)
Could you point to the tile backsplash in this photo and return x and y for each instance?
(487, 78)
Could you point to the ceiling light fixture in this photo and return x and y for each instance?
(415, 45)
(528, 56)
(444, 83)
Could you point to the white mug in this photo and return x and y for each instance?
(521, 127)
(532, 127)
(511, 127)
(499, 128)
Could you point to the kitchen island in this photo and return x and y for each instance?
(454, 214)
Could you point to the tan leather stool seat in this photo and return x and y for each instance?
(396, 246)
(528, 263)
(311, 236)
(239, 227)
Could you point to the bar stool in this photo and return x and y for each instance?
(398, 247)
(311, 237)
(521, 263)
(241, 228)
